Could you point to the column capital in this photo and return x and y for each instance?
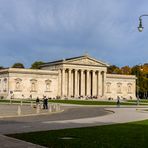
(63, 69)
(69, 69)
(88, 70)
(82, 70)
(104, 71)
(98, 71)
(75, 70)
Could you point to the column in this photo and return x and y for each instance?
(72, 82)
(63, 82)
(66, 83)
(82, 83)
(99, 84)
(76, 84)
(59, 83)
(69, 82)
(104, 84)
(93, 84)
(88, 83)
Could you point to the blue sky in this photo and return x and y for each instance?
(46, 30)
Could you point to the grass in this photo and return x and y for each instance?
(16, 101)
(129, 135)
(79, 102)
(141, 100)
(86, 102)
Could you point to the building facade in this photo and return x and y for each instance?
(78, 77)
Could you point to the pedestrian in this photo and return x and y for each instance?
(118, 101)
(37, 101)
(43, 102)
(46, 103)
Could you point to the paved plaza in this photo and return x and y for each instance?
(70, 116)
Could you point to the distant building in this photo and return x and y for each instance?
(78, 77)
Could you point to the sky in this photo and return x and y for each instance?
(47, 30)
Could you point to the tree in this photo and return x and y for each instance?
(1, 67)
(142, 87)
(18, 65)
(126, 70)
(113, 69)
(37, 65)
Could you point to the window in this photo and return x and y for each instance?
(108, 89)
(48, 85)
(33, 85)
(18, 84)
(129, 88)
(5, 85)
(119, 88)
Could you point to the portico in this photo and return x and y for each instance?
(81, 82)
(80, 76)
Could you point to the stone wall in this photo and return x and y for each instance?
(4, 78)
(123, 86)
(27, 83)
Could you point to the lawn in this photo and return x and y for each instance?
(86, 102)
(16, 101)
(129, 135)
(141, 100)
(78, 102)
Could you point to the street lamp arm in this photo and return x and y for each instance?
(140, 27)
(140, 17)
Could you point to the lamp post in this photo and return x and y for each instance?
(140, 27)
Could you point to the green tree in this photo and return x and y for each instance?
(142, 87)
(18, 65)
(1, 67)
(36, 65)
(113, 69)
(126, 70)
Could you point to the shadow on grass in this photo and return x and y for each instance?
(129, 135)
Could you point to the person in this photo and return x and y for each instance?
(30, 96)
(118, 101)
(37, 100)
(46, 103)
(43, 102)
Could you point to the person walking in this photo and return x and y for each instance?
(46, 103)
(118, 101)
(37, 101)
(43, 102)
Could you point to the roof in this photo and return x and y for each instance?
(67, 60)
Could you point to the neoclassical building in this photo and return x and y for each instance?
(76, 77)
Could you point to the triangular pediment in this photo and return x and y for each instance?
(85, 60)
(81, 60)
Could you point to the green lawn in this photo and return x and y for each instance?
(141, 100)
(16, 101)
(79, 102)
(86, 102)
(129, 135)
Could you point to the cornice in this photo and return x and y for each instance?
(119, 76)
(29, 71)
